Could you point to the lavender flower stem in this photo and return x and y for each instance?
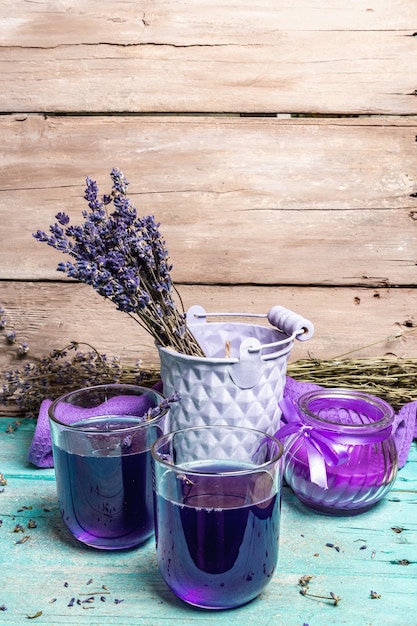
(124, 258)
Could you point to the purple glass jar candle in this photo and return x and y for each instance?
(340, 455)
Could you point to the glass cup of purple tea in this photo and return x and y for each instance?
(217, 496)
(101, 442)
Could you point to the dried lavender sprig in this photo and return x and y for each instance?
(162, 406)
(25, 388)
(11, 336)
(332, 596)
(124, 258)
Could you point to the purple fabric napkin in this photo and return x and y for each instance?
(40, 451)
(405, 421)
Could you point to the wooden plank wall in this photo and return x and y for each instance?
(276, 144)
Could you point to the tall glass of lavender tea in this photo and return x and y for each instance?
(101, 441)
(217, 496)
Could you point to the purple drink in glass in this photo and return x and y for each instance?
(217, 519)
(102, 463)
(106, 496)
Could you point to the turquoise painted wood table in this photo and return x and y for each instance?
(47, 577)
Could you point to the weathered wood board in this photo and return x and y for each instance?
(366, 321)
(240, 201)
(377, 551)
(188, 56)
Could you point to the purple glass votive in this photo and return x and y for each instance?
(340, 455)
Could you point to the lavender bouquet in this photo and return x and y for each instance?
(124, 258)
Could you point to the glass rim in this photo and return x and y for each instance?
(102, 387)
(333, 393)
(195, 472)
